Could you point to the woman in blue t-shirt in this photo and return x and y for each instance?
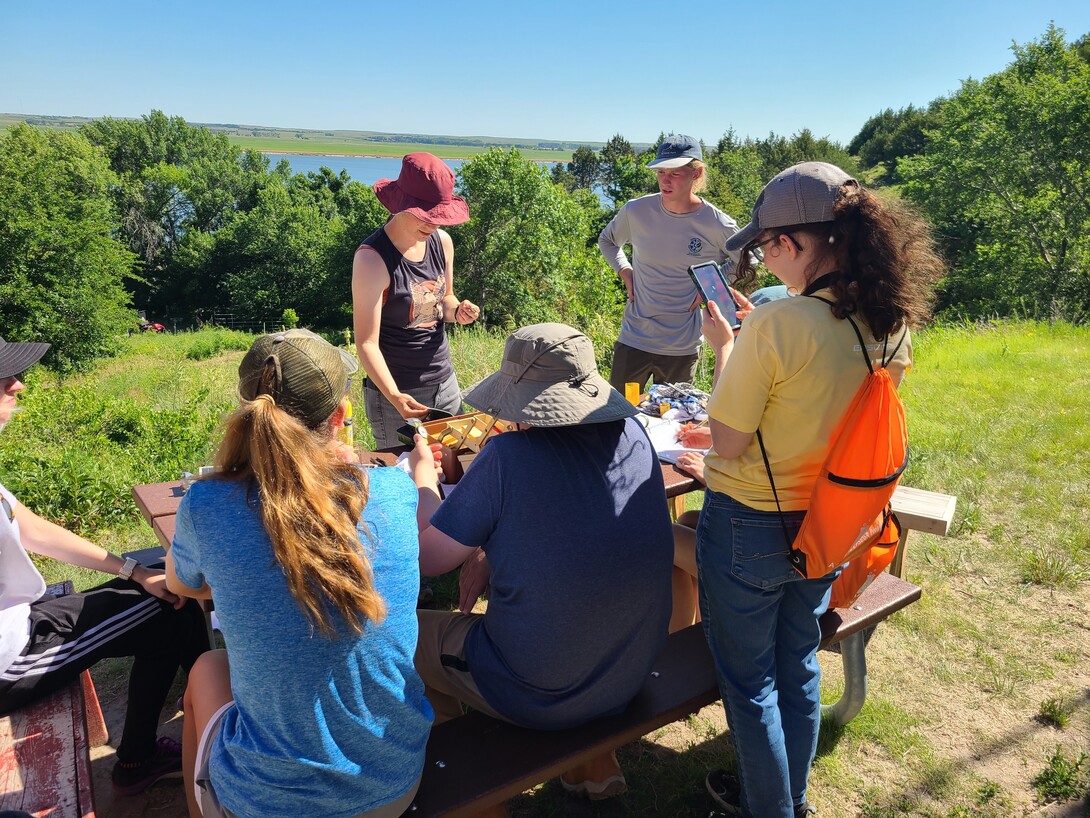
(314, 708)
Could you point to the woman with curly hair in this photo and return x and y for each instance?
(792, 373)
(315, 707)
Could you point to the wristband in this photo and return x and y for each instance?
(127, 568)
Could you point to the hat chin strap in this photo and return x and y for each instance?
(579, 382)
(549, 348)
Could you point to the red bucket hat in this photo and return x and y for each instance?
(424, 188)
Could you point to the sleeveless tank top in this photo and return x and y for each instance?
(412, 336)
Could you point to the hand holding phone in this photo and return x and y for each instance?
(712, 286)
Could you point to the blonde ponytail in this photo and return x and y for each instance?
(311, 503)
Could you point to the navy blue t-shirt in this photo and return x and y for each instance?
(576, 529)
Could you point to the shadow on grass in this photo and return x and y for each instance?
(662, 783)
(936, 779)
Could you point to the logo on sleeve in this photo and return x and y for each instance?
(695, 246)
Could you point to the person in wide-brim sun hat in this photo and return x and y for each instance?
(424, 188)
(403, 295)
(575, 617)
(548, 377)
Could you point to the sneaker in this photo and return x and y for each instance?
(804, 809)
(135, 777)
(726, 790)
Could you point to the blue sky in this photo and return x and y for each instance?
(550, 70)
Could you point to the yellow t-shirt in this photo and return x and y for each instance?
(794, 371)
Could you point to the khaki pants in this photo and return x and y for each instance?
(440, 661)
(636, 366)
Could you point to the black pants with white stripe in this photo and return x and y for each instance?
(69, 634)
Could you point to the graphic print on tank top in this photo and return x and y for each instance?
(425, 311)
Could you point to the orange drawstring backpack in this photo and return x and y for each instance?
(850, 519)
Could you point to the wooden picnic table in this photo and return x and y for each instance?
(158, 499)
(917, 509)
(158, 502)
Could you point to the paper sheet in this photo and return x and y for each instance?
(663, 434)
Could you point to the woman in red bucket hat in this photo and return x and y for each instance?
(403, 294)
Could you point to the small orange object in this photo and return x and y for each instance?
(632, 392)
(663, 409)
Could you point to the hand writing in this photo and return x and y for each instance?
(695, 436)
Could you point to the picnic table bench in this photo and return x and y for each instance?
(475, 762)
(45, 763)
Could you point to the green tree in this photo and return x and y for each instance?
(525, 254)
(276, 256)
(584, 167)
(175, 183)
(623, 175)
(562, 176)
(61, 267)
(735, 176)
(583, 172)
(1006, 180)
(892, 135)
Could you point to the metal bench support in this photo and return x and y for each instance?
(854, 657)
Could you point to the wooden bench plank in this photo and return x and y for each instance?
(45, 764)
(883, 597)
(475, 762)
(469, 759)
(926, 511)
(919, 510)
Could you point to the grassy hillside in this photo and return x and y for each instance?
(976, 692)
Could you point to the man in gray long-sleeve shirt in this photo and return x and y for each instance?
(668, 231)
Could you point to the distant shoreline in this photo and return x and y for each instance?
(382, 156)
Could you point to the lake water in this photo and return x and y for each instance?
(364, 169)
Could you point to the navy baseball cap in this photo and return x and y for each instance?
(676, 150)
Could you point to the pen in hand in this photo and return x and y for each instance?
(699, 431)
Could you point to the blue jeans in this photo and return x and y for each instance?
(761, 620)
(385, 420)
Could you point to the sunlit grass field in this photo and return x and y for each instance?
(356, 147)
(973, 690)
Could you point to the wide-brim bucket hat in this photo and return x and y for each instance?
(17, 357)
(549, 378)
(424, 188)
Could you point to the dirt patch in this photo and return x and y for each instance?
(164, 800)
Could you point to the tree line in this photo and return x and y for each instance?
(159, 215)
